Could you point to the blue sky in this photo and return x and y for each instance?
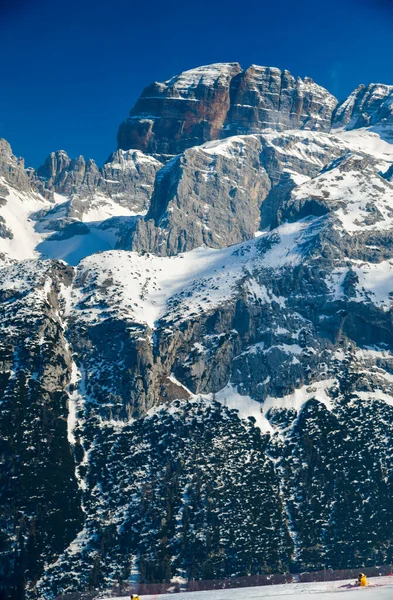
(71, 71)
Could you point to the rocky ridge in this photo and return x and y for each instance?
(124, 177)
(367, 105)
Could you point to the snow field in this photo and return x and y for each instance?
(247, 407)
(147, 288)
(16, 212)
(383, 590)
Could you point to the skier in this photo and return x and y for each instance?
(135, 597)
(362, 580)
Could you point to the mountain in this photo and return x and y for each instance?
(222, 100)
(367, 105)
(196, 340)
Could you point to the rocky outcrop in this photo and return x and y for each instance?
(71, 200)
(13, 168)
(328, 192)
(221, 193)
(67, 177)
(126, 178)
(221, 100)
(54, 169)
(280, 328)
(208, 196)
(185, 111)
(265, 97)
(367, 105)
(36, 370)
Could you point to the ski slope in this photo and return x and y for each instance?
(380, 588)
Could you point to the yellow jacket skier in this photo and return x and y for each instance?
(362, 580)
(135, 597)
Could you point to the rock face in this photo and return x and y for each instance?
(69, 208)
(367, 105)
(185, 111)
(265, 97)
(207, 196)
(126, 177)
(217, 101)
(36, 368)
(98, 200)
(129, 175)
(223, 192)
(65, 176)
(12, 168)
(208, 390)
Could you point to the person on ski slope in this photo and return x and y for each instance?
(134, 597)
(362, 580)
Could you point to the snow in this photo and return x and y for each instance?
(312, 146)
(146, 288)
(16, 213)
(368, 141)
(288, 250)
(375, 282)
(335, 282)
(317, 390)
(66, 297)
(72, 406)
(373, 352)
(376, 395)
(142, 284)
(59, 198)
(206, 75)
(306, 146)
(103, 209)
(173, 379)
(77, 247)
(31, 230)
(297, 178)
(360, 198)
(313, 591)
(128, 160)
(245, 405)
(32, 236)
(229, 147)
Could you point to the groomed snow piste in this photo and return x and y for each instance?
(380, 588)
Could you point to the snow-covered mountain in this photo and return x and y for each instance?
(196, 340)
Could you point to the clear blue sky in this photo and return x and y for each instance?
(72, 69)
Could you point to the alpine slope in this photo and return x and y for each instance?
(313, 591)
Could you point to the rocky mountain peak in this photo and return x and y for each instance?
(189, 83)
(266, 97)
(366, 105)
(219, 100)
(5, 149)
(64, 175)
(13, 168)
(54, 165)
